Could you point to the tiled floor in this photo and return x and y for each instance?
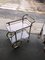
(30, 51)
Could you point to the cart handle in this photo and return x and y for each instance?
(21, 19)
(13, 21)
(18, 19)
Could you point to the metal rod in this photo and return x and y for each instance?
(15, 37)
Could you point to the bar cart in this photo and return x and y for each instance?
(19, 30)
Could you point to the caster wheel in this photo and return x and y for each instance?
(10, 34)
(17, 44)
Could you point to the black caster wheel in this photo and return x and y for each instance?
(17, 44)
(10, 34)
